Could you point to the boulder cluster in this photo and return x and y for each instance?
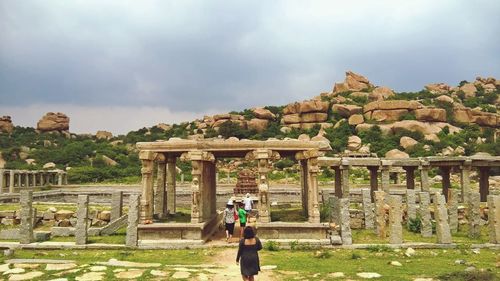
(53, 122)
(6, 125)
(259, 122)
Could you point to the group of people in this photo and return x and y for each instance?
(249, 245)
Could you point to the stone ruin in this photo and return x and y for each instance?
(246, 183)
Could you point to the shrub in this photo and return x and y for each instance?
(271, 246)
(415, 225)
(355, 256)
(378, 248)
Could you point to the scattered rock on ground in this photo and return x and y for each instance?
(130, 274)
(336, 275)
(25, 276)
(98, 268)
(59, 266)
(181, 275)
(268, 267)
(158, 273)
(368, 275)
(91, 276)
(395, 263)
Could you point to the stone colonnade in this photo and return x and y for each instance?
(380, 169)
(12, 180)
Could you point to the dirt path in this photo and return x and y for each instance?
(230, 270)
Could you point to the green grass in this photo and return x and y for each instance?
(426, 263)
(115, 238)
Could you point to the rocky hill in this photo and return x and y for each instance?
(356, 116)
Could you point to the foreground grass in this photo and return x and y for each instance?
(426, 263)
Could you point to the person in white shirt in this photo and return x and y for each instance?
(248, 204)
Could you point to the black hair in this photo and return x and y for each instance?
(229, 206)
(248, 233)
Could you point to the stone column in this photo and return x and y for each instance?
(396, 229)
(425, 214)
(11, 181)
(397, 178)
(494, 218)
(465, 179)
(410, 177)
(2, 180)
(116, 205)
(171, 185)
(474, 215)
(484, 185)
(200, 161)
(146, 158)
(133, 220)
(42, 179)
(159, 189)
(26, 228)
(345, 221)
(26, 180)
(82, 214)
(345, 178)
(311, 157)
(65, 178)
(380, 222)
(441, 216)
(452, 204)
(263, 157)
(19, 180)
(411, 207)
(59, 179)
(334, 210)
(367, 208)
(338, 182)
(445, 173)
(303, 186)
(385, 178)
(424, 178)
(373, 181)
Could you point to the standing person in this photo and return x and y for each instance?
(248, 253)
(229, 218)
(242, 214)
(248, 204)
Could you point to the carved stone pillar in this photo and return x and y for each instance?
(410, 177)
(171, 188)
(263, 157)
(2, 180)
(11, 181)
(465, 179)
(373, 181)
(385, 178)
(338, 182)
(303, 186)
(345, 178)
(159, 190)
(200, 183)
(311, 156)
(424, 178)
(445, 173)
(146, 212)
(484, 185)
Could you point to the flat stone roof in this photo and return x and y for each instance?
(233, 147)
(433, 161)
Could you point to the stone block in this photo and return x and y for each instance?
(494, 218)
(81, 234)
(453, 197)
(425, 214)
(116, 205)
(9, 234)
(63, 214)
(368, 209)
(62, 231)
(7, 214)
(26, 227)
(474, 214)
(133, 220)
(380, 214)
(411, 207)
(395, 219)
(40, 236)
(104, 215)
(441, 215)
(345, 224)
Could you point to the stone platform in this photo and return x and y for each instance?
(293, 230)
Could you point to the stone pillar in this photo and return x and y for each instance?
(133, 220)
(263, 157)
(424, 179)
(338, 182)
(396, 229)
(484, 185)
(42, 179)
(410, 177)
(425, 214)
(397, 178)
(452, 204)
(116, 205)
(385, 178)
(19, 180)
(345, 221)
(2, 180)
(146, 158)
(182, 178)
(59, 178)
(11, 181)
(441, 216)
(474, 215)
(373, 181)
(200, 162)
(367, 208)
(494, 218)
(82, 214)
(26, 179)
(411, 207)
(465, 179)
(380, 222)
(334, 210)
(345, 178)
(159, 189)
(303, 186)
(171, 185)
(445, 173)
(311, 157)
(26, 228)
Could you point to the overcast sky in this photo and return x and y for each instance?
(122, 65)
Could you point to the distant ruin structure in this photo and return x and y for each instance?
(246, 183)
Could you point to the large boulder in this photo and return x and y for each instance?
(469, 90)
(391, 105)
(346, 110)
(425, 128)
(103, 135)
(445, 98)
(386, 129)
(396, 154)
(292, 108)
(431, 114)
(6, 125)
(259, 125)
(165, 127)
(438, 88)
(353, 143)
(49, 165)
(291, 118)
(263, 113)
(340, 88)
(407, 142)
(108, 161)
(313, 117)
(463, 114)
(53, 122)
(313, 106)
(381, 93)
(386, 115)
(356, 119)
(356, 82)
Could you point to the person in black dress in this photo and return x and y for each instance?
(248, 254)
